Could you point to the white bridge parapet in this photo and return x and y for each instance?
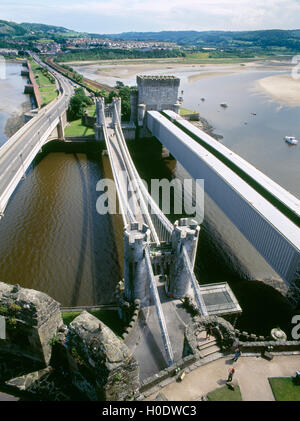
(274, 235)
(19, 151)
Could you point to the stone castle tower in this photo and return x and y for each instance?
(153, 93)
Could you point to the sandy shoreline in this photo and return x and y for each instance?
(16, 120)
(281, 88)
(127, 71)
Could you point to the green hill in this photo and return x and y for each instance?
(11, 30)
(240, 42)
(219, 39)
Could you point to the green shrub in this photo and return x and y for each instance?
(117, 377)
(15, 307)
(3, 310)
(53, 340)
(12, 322)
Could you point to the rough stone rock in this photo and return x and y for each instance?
(101, 365)
(32, 320)
(25, 382)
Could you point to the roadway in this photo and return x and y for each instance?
(18, 152)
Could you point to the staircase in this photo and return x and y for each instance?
(206, 347)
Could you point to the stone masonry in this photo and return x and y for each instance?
(155, 93)
(32, 319)
(101, 365)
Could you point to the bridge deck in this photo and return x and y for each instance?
(283, 196)
(148, 345)
(122, 172)
(19, 151)
(272, 233)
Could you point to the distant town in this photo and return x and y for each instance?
(52, 48)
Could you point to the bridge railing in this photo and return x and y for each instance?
(161, 228)
(136, 186)
(124, 208)
(27, 126)
(159, 311)
(196, 287)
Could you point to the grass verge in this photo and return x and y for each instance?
(77, 129)
(47, 86)
(109, 317)
(225, 394)
(284, 389)
(186, 111)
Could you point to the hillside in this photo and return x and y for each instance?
(264, 38)
(240, 42)
(11, 29)
(34, 30)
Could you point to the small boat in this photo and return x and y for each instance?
(291, 140)
(224, 105)
(202, 99)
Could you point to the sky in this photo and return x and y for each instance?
(115, 16)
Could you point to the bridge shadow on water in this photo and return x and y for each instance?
(96, 240)
(84, 234)
(105, 272)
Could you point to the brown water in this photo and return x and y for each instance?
(51, 237)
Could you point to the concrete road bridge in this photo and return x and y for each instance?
(19, 151)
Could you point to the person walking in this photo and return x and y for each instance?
(208, 332)
(237, 353)
(230, 375)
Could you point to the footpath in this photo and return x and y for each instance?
(251, 373)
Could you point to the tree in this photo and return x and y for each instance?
(119, 84)
(101, 93)
(78, 103)
(124, 94)
(111, 95)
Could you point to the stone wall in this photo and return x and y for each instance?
(158, 92)
(88, 120)
(32, 318)
(221, 329)
(132, 325)
(228, 338)
(101, 365)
